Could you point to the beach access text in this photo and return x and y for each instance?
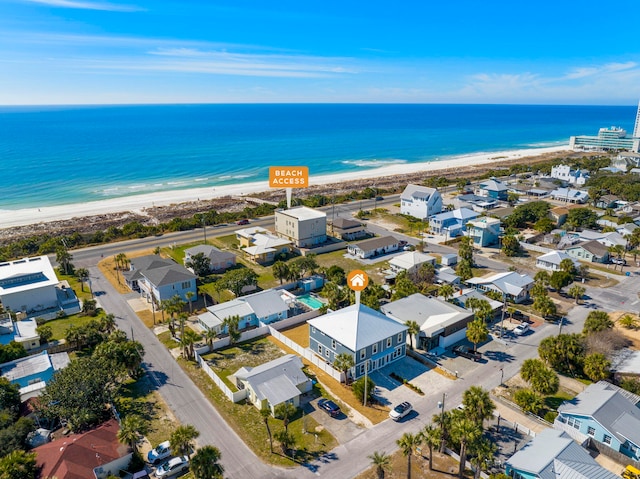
(288, 176)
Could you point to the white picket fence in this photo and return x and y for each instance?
(234, 396)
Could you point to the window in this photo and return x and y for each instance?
(399, 337)
(326, 352)
(362, 369)
(606, 439)
(363, 353)
(313, 330)
(333, 344)
(591, 431)
(388, 342)
(573, 422)
(374, 348)
(320, 349)
(185, 285)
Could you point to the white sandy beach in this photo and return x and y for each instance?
(27, 216)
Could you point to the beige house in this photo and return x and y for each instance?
(347, 229)
(303, 226)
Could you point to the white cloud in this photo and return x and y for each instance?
(105, 6)
(584, 72)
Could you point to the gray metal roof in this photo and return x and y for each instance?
(609, 408)
(357, 326)
(266, 303)
(214, 254)
(25, 367)
(432, 314)
(277, 380)
(552, 454)
(158, 271)
(416, 191)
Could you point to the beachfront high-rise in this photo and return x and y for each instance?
(609, 139)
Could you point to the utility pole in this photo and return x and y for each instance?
(204, 229)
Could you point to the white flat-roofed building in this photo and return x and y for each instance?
(613, 138)
(303, 226)
(28, 285)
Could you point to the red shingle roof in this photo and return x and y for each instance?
(75, 456)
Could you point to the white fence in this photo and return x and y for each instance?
(307, 354)
(234, 396)
(533, 247)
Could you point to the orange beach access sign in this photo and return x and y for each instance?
(288, 176)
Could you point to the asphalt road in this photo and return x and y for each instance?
(347, 460)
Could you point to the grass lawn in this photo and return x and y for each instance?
(108, 268)
(227, 361)
(82, 291)
(444, 467)
(166, 339)
(59, 326)
(137, 397)
(554, 402)
(246, 420)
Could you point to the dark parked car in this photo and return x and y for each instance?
(520, 316)
(242, 222)
(331, 408)
(467, 352)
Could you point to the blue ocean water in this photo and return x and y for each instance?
(61, 155)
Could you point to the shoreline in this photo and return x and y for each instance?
(137, 204)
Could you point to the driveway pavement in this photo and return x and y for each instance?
(340, 427)
(391, 392)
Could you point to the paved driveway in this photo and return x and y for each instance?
(390, 392)
(340, 427)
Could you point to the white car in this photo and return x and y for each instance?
(400, 411)
(172, 467)
(521, 329)
(158, 453)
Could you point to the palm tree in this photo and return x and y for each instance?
(407, 443)
(131, 428)
(188, 339)
(63, 258)
(190, 295)
(108, 323)
(280, 270)
(266, 414)
(210, 336)
(477, 332)
(577, 292)
(478, 405)
(381, 461)
(173, 306)
(206, 463)
(414, 330)
(182, 439)
(430, 435)
(231, 323)
(443, 421)
(285, 439)
(83, 276)
(285, 411)
(464, 430)
(344, 362)
(446, 291)
(483, 451)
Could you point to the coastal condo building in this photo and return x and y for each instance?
(608, 139)
(303, 226)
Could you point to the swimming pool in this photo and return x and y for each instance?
(311, 301)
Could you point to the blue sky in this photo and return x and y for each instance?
(177, 51)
